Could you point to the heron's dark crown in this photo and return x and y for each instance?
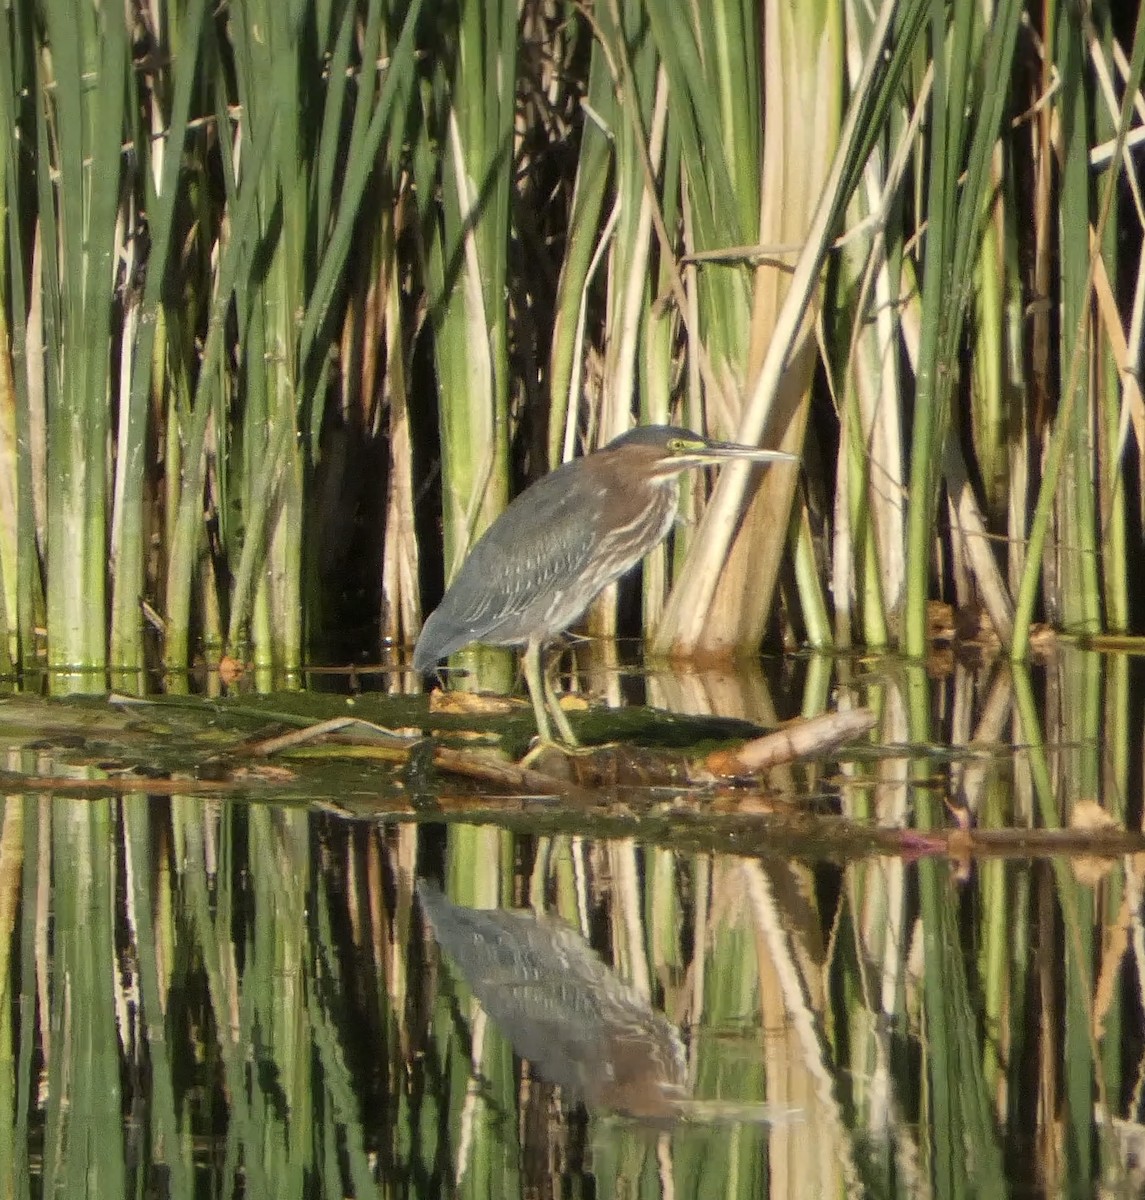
(654, 435)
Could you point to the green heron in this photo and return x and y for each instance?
(561, 542)
(563, 1009)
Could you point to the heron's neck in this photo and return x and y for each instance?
(667, 504)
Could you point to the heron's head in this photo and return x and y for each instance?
(657, 453)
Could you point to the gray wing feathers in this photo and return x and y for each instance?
(540, 545)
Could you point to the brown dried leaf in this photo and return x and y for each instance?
(1088, 814)
(231, 670)
(470, 703)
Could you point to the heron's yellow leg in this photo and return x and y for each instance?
(542, 694)
(559, 715)
(533, 681)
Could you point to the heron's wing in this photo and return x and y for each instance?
(562, 534)
(541, 546)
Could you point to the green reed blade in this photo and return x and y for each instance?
(1053, 459)
(81, 129)
(128, 527)
(953, 238)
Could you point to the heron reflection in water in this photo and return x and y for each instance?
(563, 1009)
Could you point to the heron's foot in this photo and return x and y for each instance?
(550, 749)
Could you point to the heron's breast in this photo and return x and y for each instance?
(615, 550)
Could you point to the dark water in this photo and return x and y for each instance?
(673, 992)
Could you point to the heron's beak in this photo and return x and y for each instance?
(710, 453)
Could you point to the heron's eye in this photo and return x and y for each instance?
(677, 446)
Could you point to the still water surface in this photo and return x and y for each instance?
(664, 995)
